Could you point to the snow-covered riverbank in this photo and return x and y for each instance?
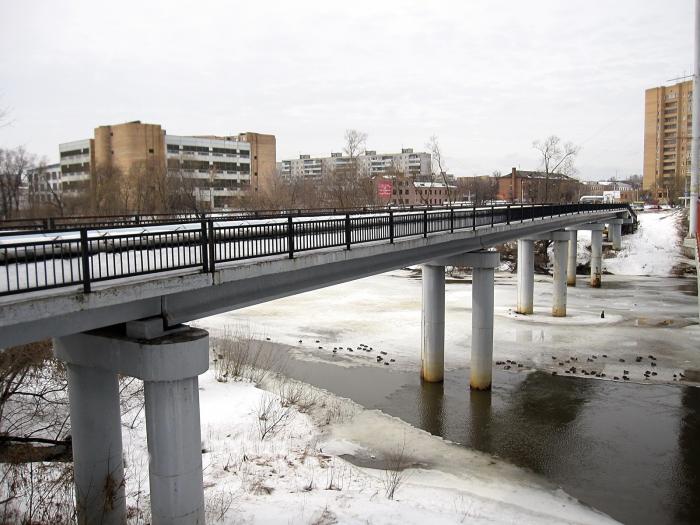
(295, 474)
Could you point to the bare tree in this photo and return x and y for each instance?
(354, 142)
(478, 189)
(14, 165)
(438, 165)
(556, 157)
(345, 185)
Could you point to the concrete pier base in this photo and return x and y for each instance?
(571, 260)
(559, 275)
(596, 257)
(526, 276)
(97, 445)
(168, 363)
(433, 324)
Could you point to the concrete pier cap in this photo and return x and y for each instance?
(168, 362)
(176, 354)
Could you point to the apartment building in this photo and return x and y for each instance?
(369, 164)
(42, 186)
(217, 170)
(667, 133)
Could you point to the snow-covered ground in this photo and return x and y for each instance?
(653, 249)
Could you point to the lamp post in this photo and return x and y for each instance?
(695, 142)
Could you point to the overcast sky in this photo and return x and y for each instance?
(487, 77)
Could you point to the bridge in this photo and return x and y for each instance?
(115, 295)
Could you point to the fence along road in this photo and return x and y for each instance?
(187, 270)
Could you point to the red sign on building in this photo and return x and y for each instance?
(384, 188)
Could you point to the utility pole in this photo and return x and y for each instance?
(695, 143)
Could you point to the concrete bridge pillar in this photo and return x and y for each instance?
(168, 362)
(615, 228)
(97, 445)
(433, 324)
(559, 274)
(483, 264)
(526, 276)
(596, 256)
(571, 262)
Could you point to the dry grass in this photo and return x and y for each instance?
(240, 354)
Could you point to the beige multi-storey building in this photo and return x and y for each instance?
(217, 170)
(667, 133)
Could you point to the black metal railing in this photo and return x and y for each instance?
(50, 259)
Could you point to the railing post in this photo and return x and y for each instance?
(212, 246)
(391, 227)
(452, 220)
(508, 214)
(290, 237)
(522, 212)
(205, 246)
(474, 217)
(85, 258)
(425, 223)
(137, 219)
(348, 232)
(492, 210)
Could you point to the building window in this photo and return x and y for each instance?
(150, 150)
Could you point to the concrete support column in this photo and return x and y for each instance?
(97, 445)
(526, 276)
(174, 451)
(559, 277)
(596, 257)
(168, 363)
(615, 228)
(482, 328)
(433, 324)
(571, 262)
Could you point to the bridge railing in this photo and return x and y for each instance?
(43, 260)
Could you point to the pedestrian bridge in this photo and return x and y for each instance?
(114, 297)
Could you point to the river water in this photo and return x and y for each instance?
(630, 451)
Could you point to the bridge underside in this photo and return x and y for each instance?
(185, 296)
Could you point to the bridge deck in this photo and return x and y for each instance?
(188, 271)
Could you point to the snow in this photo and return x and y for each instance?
(654, 249)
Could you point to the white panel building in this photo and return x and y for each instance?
(370, 163)
(216, 167)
